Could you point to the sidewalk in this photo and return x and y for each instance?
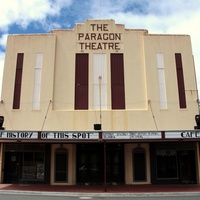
(115, 189)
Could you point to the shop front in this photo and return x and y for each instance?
(175, 163)
(92, 158)
(26, 163)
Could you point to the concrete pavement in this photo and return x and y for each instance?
(111, 190)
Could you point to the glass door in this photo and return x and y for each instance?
(12, 167)
(187, 166)
(90, 164)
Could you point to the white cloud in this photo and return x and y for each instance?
(22, 12)
(3, 40)
(159, 16)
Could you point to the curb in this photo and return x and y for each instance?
(77, 194)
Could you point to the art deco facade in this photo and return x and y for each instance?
(99, 104)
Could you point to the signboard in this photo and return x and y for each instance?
(18, 135)
(118, 135)
(99, 37)
(70, 135)
(182, 135)
(132, 135)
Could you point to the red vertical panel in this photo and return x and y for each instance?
(180, 80)
(81, 82)
(117, 81)
(18, 81)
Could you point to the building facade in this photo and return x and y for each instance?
(99, 104)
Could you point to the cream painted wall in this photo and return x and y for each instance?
(57, 112)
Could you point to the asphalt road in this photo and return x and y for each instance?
(28, 196)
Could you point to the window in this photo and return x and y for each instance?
(180, 80)
(117, 81)
(99, 81)
(139, 164)
(18, 81)
(161, 81)
(37, 81)
(81, 82)
(166, 161)
(33, 166)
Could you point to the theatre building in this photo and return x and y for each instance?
(99, 104)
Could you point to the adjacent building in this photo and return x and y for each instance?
(99, 104)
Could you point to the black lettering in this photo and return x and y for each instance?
(87, 46)
(110, 45)
(66, 135)
(105, 36)
(30, 135)
(83, 135)
(117, 46)
(93, 46)
(105, 27)
(99, 46)
(111, 36)
(81, 43)
(99, 27)
(87, 36)
(188, 135)
(104, 44)
(117, 36)
(182, 135)
(93, 26)
(80, 35)
(26, 135)
(44, 135)
(74, 135)
(93, 36)
(99, 37)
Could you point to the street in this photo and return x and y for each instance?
(29, 196)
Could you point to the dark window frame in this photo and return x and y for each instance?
(139, 166)
(64, 152)
(180, 81)
(81, 81)
(117, 81)
(18, 81)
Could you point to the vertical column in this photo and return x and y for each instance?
(37, 81)
(161, 81)
(99, 81)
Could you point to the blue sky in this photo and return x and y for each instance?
(157, 16)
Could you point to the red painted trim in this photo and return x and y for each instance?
(18, 81)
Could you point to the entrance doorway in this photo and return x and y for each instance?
(187, 166)
(90, 163)
(12, 167)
